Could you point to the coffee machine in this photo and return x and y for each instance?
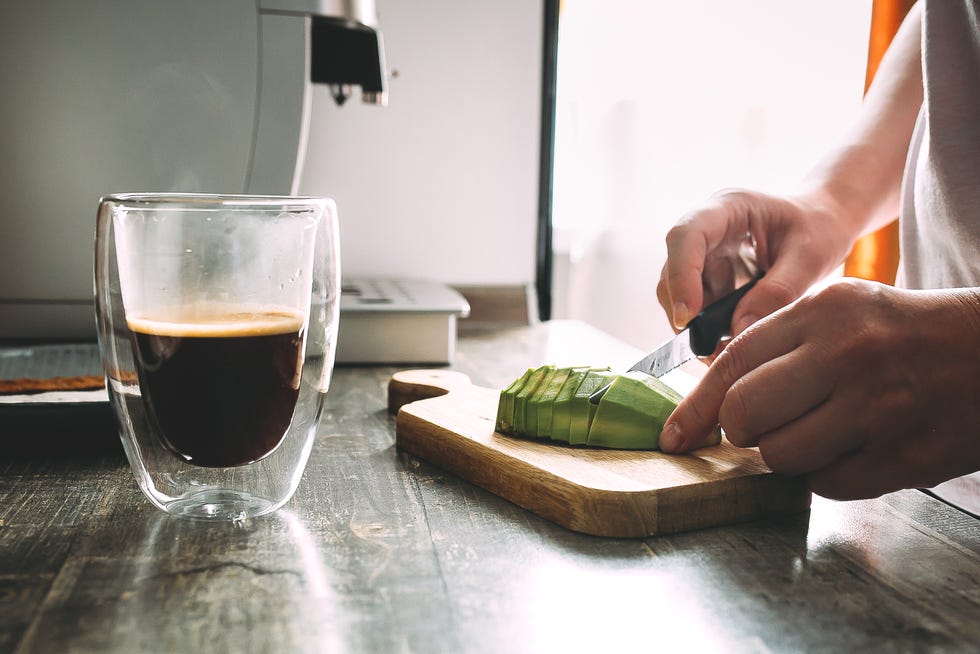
(152, 95)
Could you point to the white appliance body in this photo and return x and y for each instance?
(137, 96)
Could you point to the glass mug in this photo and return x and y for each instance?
(217, 320)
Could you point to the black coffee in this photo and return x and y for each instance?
(220, 392)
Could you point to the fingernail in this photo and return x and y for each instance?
(670, 438)
(744, 324)
(680, 315)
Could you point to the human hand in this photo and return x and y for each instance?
(862, 387)
(797, 241)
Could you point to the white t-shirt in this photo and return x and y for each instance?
(940, 214)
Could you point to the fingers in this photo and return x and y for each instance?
(716, 230)
(842, 386)
(874, 469)
(663, 296)
(698, 413)
(812, 442)
(706, 243)
(679, 290)
(857, 476)
(774, 394)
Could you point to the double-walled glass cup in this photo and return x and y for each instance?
(217, 320)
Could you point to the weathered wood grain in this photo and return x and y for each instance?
(382, 552)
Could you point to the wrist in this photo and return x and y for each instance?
(833, 223)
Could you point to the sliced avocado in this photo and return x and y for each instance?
(562, 409)
(534, 402)
(545, 401)
(632, 413)
(554, 402)
(520, 400)
(581, 409)
(505, 407)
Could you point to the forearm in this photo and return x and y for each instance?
(860, 181)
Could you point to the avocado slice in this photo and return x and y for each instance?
(505, 407)
(632, 413)
(535, 401)
(545, 401)
(582, 410)
(522, 397)
(561, 411)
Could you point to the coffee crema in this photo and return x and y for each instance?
(220, 387)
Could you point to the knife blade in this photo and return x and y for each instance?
(699, 338)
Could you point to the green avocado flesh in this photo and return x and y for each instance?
(522, 397)
(582, 410)
(505, 408)
(552, 403)
(561, 410)
(632, 412)
(534, 402)
(544, 401)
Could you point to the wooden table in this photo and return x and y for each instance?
(378, 552)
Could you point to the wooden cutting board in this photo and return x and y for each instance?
(449, 422)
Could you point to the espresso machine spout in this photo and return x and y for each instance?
(340, 93)
(346, 53)
(346, 49)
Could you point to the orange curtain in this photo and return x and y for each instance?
(875, 256)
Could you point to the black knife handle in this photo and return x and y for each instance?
(715, 321)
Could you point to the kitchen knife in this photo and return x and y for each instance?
(699, 338)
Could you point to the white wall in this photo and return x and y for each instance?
(661, 103)
(442, 183)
